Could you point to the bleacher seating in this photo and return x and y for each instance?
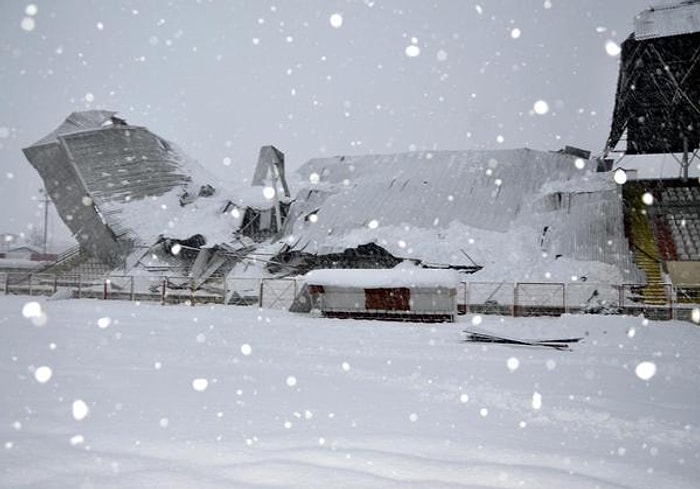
(680, 208)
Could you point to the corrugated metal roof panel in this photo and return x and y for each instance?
(672, 20)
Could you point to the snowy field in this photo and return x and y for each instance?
(121, 395)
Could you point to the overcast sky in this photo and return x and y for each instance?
(312, 77)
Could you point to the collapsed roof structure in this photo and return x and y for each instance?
(476, 211)
(136, 202)
(658, 91)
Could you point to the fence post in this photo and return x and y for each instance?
(131, 289)
(162, 291)
(80, 287)
(30, 283)
(225, 291)
(260, 294)
(104, 289)
(55, 283)
(515, 299)
(563, 298)
(7, 284)
(622, 296)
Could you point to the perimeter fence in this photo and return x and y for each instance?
(502, 298)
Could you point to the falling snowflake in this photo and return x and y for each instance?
(269, 193)
(515, 33)
(620, 176)
(80, 410)
(336, 21)
(412, 51)
(645, 370)
(536, 400)
(612, 48)
(246, 349)
(77, 440)
(28, 24)
(513, 364)
(35, 313)
(104, 322)
(540, 107)
(200, 385)
(43, 374)
(291, 381)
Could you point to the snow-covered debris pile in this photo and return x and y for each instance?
(513, 212)
(121, 188)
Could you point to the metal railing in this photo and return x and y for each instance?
(502, 298)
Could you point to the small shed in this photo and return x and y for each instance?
(397, 294)
(24, 252)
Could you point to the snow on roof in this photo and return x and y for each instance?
(521, 214)
(137, 180)
(388, 198)
(401, 276)
(668, 20)
(78, 121)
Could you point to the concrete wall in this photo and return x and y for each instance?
(684, 272)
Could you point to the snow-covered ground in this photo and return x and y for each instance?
(121, 395)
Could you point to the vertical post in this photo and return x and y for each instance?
(563, 297)
(225, 291)
(104, 289)
(55, 283)
(162, 291)
(621, 298)
(7, 283)
(131, 288)
(80, 287)
(260, 295)
(46, 216)
(685, 162)
(515, 299)
(30, 283)
(466, 297)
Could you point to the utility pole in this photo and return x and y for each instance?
(46, 201)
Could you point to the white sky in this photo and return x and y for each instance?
(223, 78)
